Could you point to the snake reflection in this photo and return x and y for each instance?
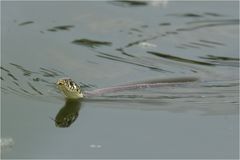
(68, 113)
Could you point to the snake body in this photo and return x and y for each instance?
(72, 90)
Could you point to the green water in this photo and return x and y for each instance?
(101, 44)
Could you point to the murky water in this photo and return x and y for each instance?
(101, 44)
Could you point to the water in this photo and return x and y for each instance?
(101, 44)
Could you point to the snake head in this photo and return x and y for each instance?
(69, 88)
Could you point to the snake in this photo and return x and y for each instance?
(71, 90)
(74, 94)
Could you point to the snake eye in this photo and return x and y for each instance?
(59, 83)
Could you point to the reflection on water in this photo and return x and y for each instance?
(133, 61)
(215, 58)
(61, 28)
(41, 85)
(194, 15)
(101, 44)
(91, 43)
(37, 83)
(190, 26)
(19, 80)
(129, 3)
(68, 113)
(25, 23)
(137, 3)
(174, 58)
(209, 23)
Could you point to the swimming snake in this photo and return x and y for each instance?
(72, 90)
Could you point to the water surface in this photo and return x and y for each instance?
(101, 44)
